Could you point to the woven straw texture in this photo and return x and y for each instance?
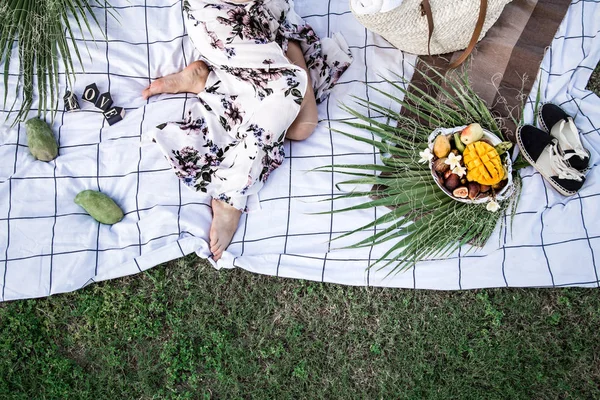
(406, 28)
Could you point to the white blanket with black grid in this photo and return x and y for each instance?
(49, 245)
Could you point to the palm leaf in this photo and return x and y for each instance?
(39, 29)
(424, 223)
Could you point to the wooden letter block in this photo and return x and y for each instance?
(91, 93)
(104, 101)
(71, 103)
(114, 115)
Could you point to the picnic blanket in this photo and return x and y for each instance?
(49, 245)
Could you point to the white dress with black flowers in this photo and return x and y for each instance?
(232, 138)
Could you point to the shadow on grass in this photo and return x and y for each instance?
(185, 330)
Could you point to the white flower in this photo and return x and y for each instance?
(453, 160)
(460, 171)
(426, 156)
(492, 206)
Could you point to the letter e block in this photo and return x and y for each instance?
(114, 115)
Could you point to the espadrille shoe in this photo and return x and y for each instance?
(541, 151)
(561, 126)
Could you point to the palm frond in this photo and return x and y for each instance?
(39, 29)
(424, 222)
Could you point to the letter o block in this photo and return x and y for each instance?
(91, 93)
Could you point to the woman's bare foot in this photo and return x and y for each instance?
(191, 80)
(224, 224)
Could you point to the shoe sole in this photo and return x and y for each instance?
(555, 185)
(540, 120)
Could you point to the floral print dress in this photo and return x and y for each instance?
(232, 138)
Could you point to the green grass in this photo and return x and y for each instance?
(185, 330)
(594, 82)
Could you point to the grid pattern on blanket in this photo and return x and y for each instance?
(49, 245)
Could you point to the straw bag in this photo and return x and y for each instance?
(435, 26)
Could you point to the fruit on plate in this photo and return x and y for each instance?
(503, 147)
(474, 189)
(461, 192)
(452, 182)
(441, 146)
(440, 165)
(460, 146)
(483, 164)
(471, 134)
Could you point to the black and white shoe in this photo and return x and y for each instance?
(541, 151)
(560, 125)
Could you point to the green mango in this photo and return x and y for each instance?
(101, 207)
(458, 143)
(40, 139)
(503, 147)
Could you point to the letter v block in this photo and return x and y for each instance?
(104, 101)
(114, 115)
(91, 93)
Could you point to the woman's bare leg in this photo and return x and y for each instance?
(224, 224)
(308, 117)
(191, 80)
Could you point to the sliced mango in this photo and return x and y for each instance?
(483, 164)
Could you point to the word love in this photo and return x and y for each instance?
(102, 101)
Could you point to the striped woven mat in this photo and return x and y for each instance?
(504, 64)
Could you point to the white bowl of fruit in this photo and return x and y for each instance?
(470, 164)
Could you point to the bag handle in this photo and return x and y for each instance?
(426, 10)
